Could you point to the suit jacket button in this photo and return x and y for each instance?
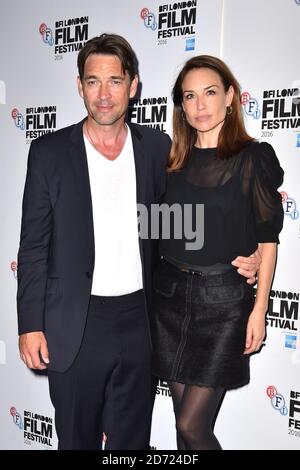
(88, 275)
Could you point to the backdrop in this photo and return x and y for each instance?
(258, 40)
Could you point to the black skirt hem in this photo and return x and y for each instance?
(202, 384)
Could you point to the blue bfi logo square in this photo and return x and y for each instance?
(290, 341)
(190, 44)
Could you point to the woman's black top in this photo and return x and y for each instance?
(242, 206)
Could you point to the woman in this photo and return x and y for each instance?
(206, 321)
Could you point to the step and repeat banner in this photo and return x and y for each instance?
(39, 43)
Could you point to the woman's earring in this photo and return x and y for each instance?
(228, 110)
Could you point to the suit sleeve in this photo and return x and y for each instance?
(33, 252)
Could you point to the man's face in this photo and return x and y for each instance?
(105, 89)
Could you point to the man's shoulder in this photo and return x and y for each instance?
(58, 137)
(150, 134)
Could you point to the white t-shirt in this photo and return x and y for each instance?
(118, 268)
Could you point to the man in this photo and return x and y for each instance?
(84, 274)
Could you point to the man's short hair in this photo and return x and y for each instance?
(109, 44)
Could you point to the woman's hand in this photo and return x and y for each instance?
(256, 331)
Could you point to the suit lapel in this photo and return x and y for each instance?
(141, 167)
(82, 183)
(141, 171)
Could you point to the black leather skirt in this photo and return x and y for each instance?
(198, 326)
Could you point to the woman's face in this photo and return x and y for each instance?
(205, 100)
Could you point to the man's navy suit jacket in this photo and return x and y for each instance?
(56, 254)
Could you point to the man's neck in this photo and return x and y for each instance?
(107, 140)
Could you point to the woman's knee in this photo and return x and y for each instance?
(185, 429)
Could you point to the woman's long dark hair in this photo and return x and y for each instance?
(233, 135)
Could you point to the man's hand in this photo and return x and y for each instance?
(33, 350)
(248, 266)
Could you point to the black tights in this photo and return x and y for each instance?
(195, 409)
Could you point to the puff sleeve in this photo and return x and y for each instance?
(267, 201)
